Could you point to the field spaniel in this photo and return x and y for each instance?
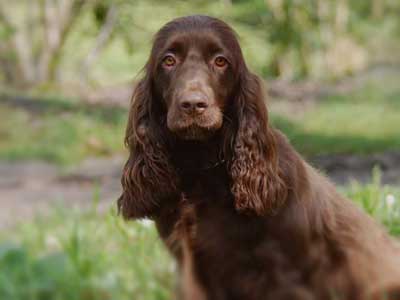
(244, 215)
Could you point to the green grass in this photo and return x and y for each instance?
(380, 201)
(364, 121)
(75, 255)
(60, 131)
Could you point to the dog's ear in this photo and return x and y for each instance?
(257, 180)
(148, 177)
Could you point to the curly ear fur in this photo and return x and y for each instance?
(258, 185)
(148, 177)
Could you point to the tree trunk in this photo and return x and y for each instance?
(377, 9)
(342, 16)
(18, 46)
(59, 18)
(101, 41)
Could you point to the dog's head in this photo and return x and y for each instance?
(196, 84)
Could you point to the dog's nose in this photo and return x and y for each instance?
(195, 103)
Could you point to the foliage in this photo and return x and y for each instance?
(84, 255)
(108, 41)
(76, 255)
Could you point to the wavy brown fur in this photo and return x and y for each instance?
(244, 215)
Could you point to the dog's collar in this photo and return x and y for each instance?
(203, 169)
(213, 166)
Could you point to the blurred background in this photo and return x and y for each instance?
(67, 69)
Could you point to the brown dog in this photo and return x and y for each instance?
(245, 216)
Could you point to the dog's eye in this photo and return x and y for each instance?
(220, 61)
(169, 61)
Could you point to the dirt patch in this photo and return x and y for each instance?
(28, 188)
(343, 168)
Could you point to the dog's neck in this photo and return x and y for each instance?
(197, 156)
(201, 169)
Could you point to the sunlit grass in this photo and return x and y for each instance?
(364, 121)
(61, 135)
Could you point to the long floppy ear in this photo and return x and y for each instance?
(148, 177)
(257, 180)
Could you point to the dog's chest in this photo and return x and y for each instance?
(223, 254)
(184, 237)
(212, 243)
(198, 233)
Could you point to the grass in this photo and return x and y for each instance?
(65, 131)
(364, 121)
(380, 201)
(76, 255)
(60, 131)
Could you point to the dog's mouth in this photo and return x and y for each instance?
(199, 127)
(195, 131)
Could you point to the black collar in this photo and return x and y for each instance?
(202, 169)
